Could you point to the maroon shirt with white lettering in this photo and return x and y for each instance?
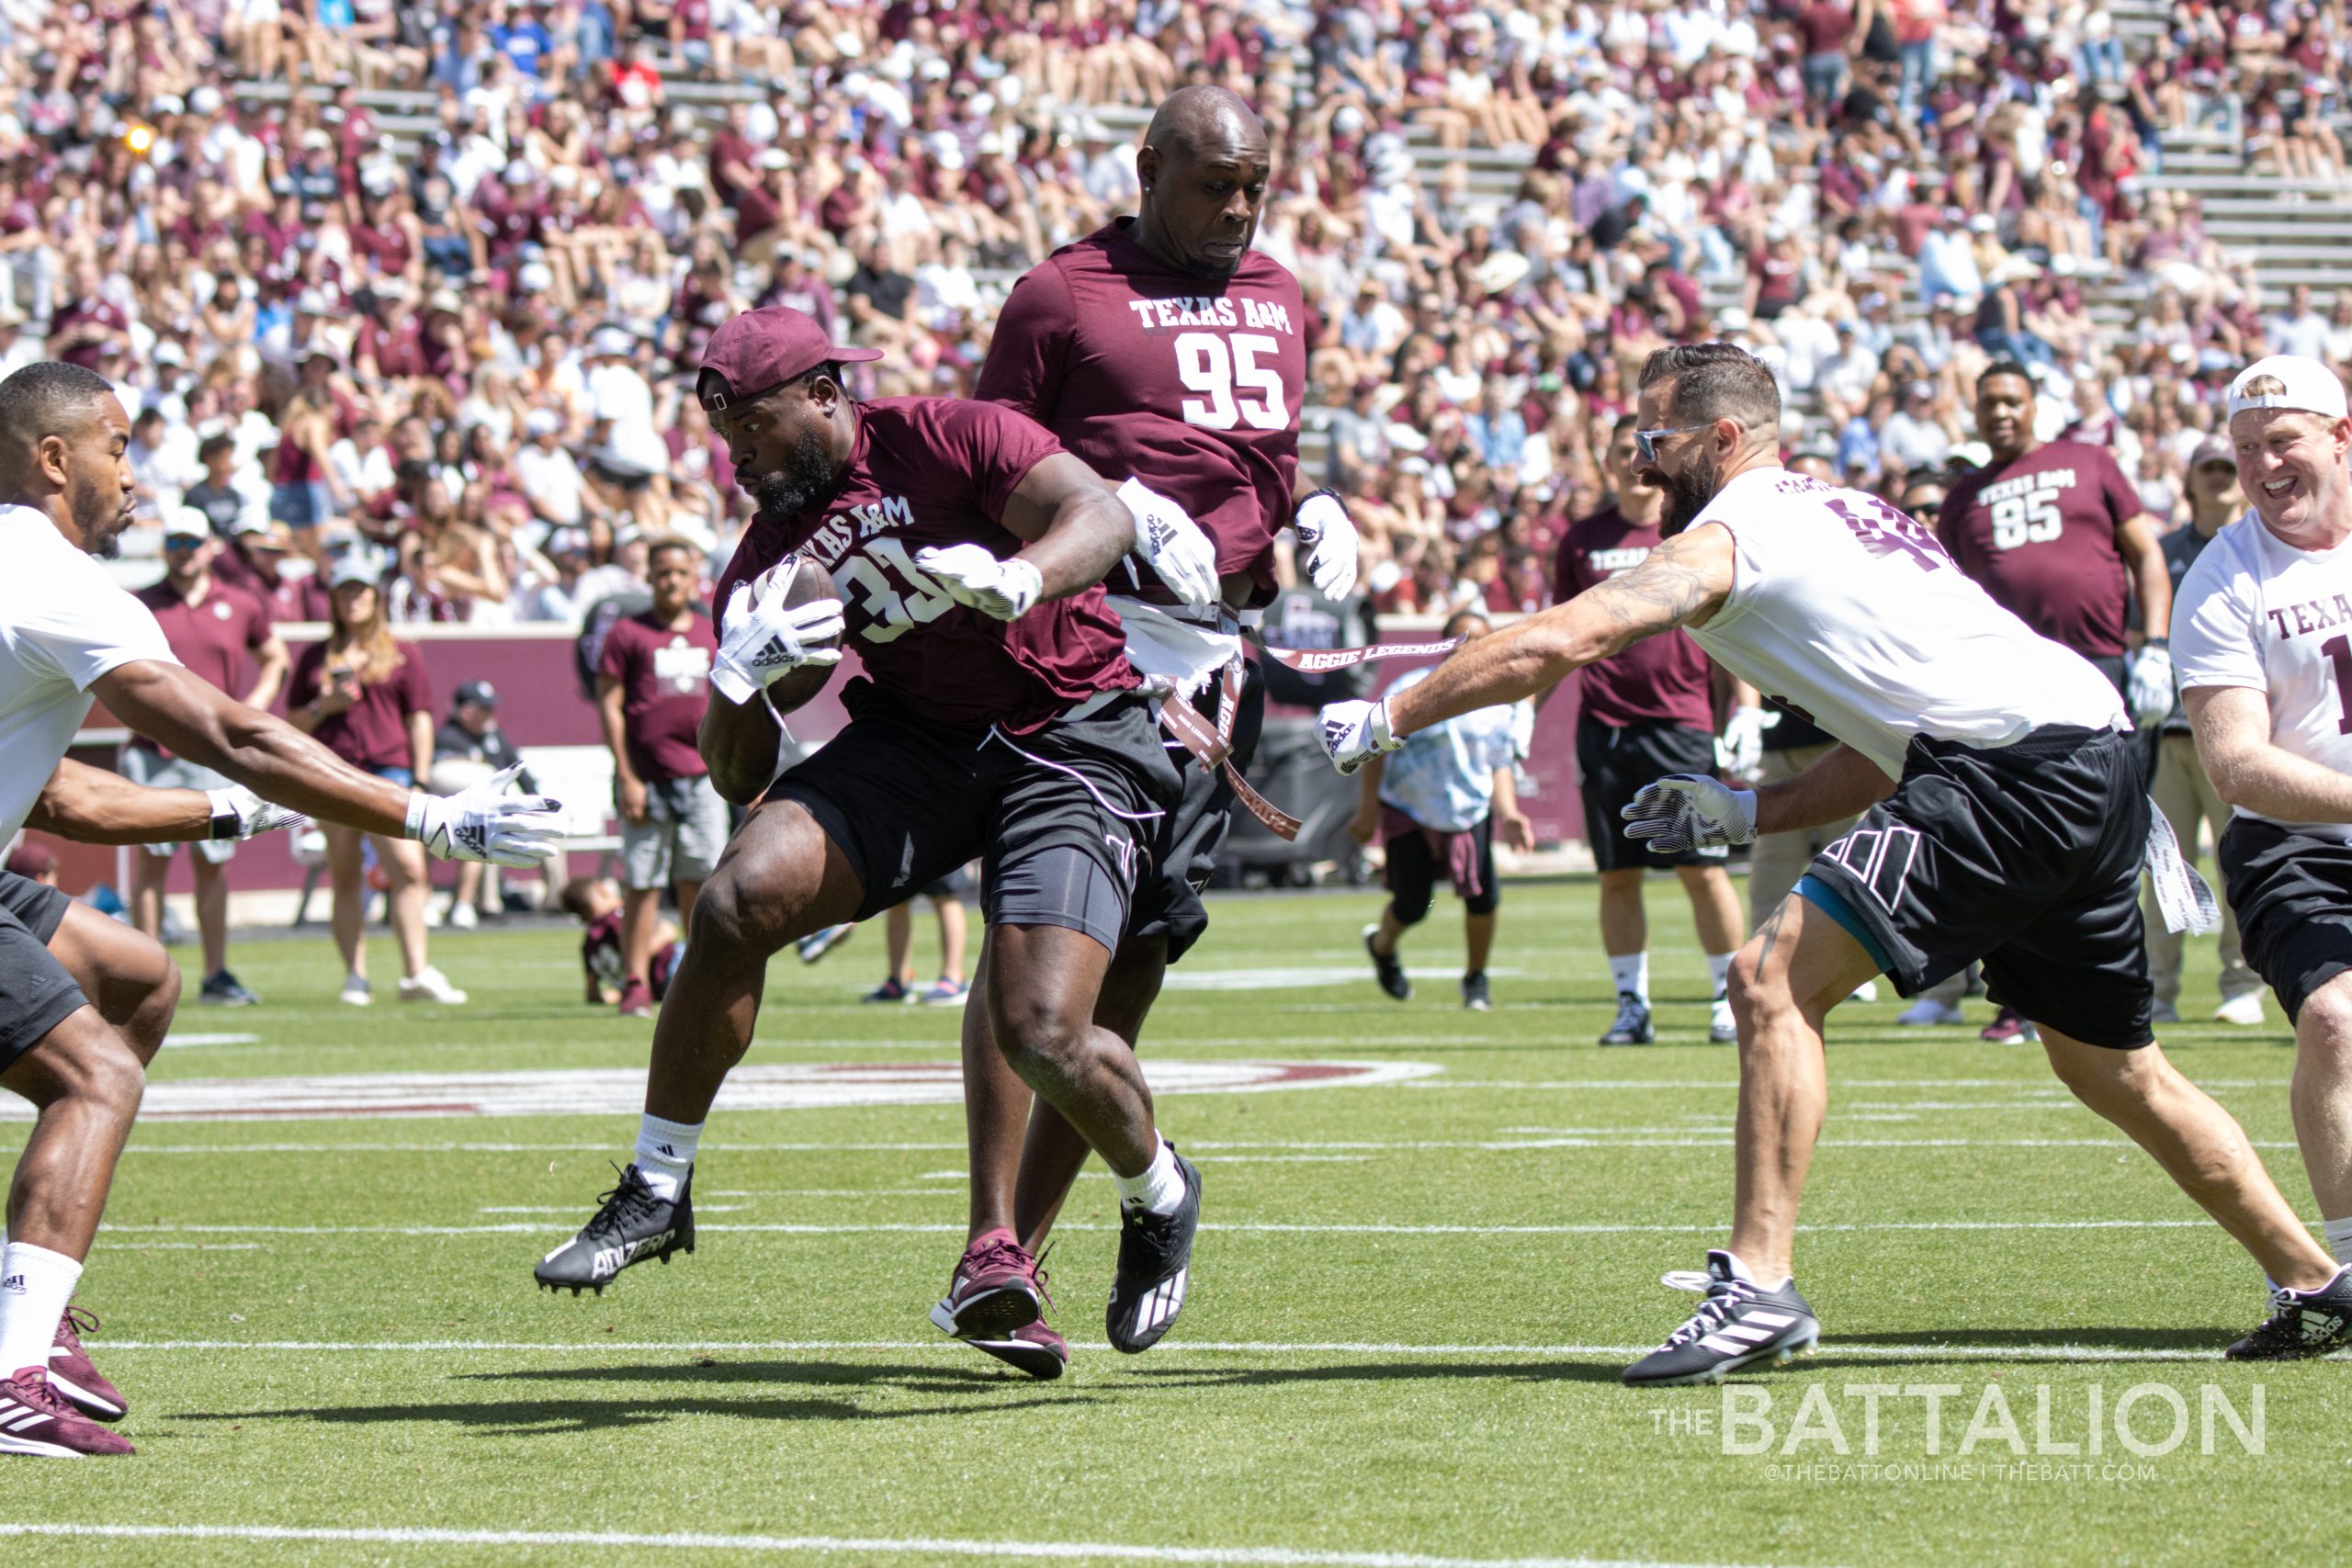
(1145, 371)
(2039, 533)
(933, 471)
(664, 676)
(1659, 679)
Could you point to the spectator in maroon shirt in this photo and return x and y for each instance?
(364, 696)
(216, 631)
(1823, 26)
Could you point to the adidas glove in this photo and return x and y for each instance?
(972, 577)
(238, 814)
(766, 639)
(1173, 545)
(2150, 685)
(485, 823)
(1689, 811)
(1324, 527)
(1355, 733)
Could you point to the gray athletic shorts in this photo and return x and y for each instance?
(36, 992)
(685, 826)
(141, 766)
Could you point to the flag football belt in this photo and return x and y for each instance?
(1212, 745)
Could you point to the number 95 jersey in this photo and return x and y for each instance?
(1192, 385)
(933, 471)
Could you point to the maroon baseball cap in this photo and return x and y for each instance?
(767, 347)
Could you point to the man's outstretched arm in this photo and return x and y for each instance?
(92, 806)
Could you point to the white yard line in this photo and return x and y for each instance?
(1246, 1227)
(818, 1545)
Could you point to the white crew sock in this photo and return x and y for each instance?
(2339, 1238)
(35, 1286)
(1632, 973)
(1160, 1188)
(1719, 971)
(665, 1154)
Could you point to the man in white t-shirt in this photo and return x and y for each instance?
(2006, 820)
(2263, 637)
(85, 1002)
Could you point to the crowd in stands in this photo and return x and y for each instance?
(467, 336)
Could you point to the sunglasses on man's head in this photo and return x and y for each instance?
(1646, 441)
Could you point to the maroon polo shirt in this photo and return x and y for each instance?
(218, 638)
(373, 732)
(664, 677)
(1658, 678)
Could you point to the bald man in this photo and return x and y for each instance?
(1159, 348)
(84, 1002)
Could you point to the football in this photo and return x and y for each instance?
(806, 582)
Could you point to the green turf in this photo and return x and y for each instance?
(834, 1411)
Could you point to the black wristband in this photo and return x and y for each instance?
(225, 826)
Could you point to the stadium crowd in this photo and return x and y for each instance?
(461, 333)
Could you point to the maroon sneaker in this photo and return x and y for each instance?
(1035, 1348)
(637, 998)
(2009, 1027)
(35, 1419)
(71, 1373)
(994, 1290)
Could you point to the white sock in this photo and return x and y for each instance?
(665, 1153)
(1160, 1188)
(2339, 1238)
(1632, 973)
(35, 1286)
(1719, 970)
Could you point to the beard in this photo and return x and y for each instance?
(803, 478)
(1687, 494)
(99, 517)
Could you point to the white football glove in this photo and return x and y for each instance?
(972, 577)
(238, 814)
(485, 823)
(2151, 695)
(1327, 531)
(1741, 750)
(1353, 733)
(1173, 544)
(765, 640)
(1689, 811)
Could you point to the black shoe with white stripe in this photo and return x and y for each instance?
(631, 1227)
(1632, 1026)
(2302, 1322)
(1739, 1324)
(1155, 1260)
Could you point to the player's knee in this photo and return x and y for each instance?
(1412, 908)
(1037, 1029)
(725, 921)
(1754, 989)
(2323, 1027)
(85, 1061)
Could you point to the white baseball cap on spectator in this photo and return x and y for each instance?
(541, 422)
(568, 542)
(169, 352)
(610, 342)
(317, 141)
(2307, 385)
(361, 563)
(188, 523)
(535, 278)
(205, 101)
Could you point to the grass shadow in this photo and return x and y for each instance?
(1378, 1372)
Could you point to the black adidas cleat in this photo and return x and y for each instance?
(1739, 1324)
(2302, 1324)
(1388, 968)
(1632, 1026)
(632, 1226)
(1155, 1260)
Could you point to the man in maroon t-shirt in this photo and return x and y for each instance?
(217, 631)
(653, 685)
(2056, 534)
(1160, 347)
(998, 717)
(1642, 715)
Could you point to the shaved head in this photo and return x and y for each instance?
(42, 400)
(1204, 166)
(64, 442)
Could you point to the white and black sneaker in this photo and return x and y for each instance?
(632, 1225)
(1723, 1029)
(2302, 1322)
(1739, 1324)
(1632, 1026)
(1155, 1262)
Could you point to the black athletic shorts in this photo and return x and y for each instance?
(1183, 851)
(2026, 856)
(1414, 871)
(2292, 895)
(1058, 818)
(1613, 763)
(35, 993)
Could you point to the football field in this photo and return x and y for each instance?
(1431, 1241)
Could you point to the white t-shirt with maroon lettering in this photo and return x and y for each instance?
(2255, 612)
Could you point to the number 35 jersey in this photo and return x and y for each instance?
(1849, 611)
(2039, 533)
(2255, 612)
(933, 471)
(1193, 387)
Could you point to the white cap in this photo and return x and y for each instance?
(2311, 386)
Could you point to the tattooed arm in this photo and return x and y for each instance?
(1682, 583)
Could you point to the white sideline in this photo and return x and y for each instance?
(1496, 1146)
(829, 1545)
(1169, 1350)
(1250, 1227)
